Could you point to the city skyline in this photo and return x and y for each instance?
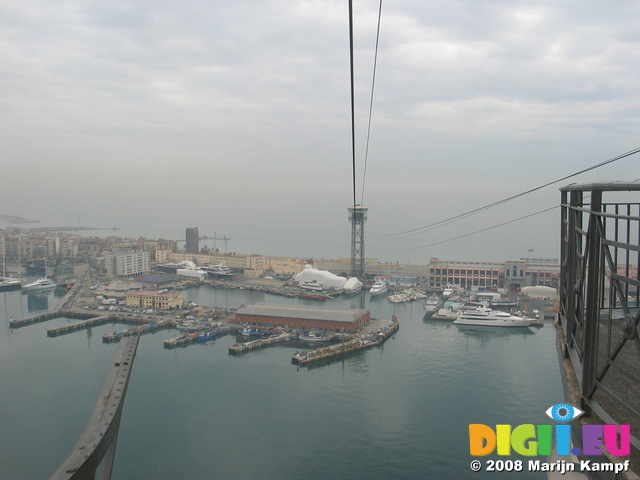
(152, 117)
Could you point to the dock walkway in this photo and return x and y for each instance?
(239, 348)
(140, 330)
(323, 353)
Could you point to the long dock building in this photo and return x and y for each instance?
(302, 317)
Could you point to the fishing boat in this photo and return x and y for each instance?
(313, 337)
(206, 336)
(252, 332)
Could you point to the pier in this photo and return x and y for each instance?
(239, 348)
(140, 330)
(180, 341)
(332, 351)
(23, 322)
(74, 327)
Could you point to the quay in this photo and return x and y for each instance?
(140, 330)
(370, 339)
(239, 348)
(181, 340)
(74, 327)
(23, 322)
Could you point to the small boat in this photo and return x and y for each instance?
(378, 288)
(39, 285)
(448, 291)
(9, 284)
(252, 332)
(445, 313)
(313, 337)
(206, 336)
(486, 317)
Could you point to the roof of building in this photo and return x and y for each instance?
(158, 278)
(296, 311)
(153, 293)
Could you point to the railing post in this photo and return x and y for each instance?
(591, 320)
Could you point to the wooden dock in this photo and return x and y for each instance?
(239, 348)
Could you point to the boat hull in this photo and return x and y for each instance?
(10, 286)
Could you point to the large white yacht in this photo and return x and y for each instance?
(219, 270)
(432, 304)
(312, 285)
(378, 288)
(485, 317)
(42, 284)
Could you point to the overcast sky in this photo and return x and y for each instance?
(152, 116)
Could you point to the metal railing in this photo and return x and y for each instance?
(599, 295)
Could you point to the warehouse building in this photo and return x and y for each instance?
(303, 318)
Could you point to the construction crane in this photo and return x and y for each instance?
(215, 237)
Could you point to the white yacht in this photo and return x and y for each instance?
(448, 291)
(219, 270)
(312, 285)
(432, 304)
(8, 283)
(485, 317)
(39, 285)
(378, 288)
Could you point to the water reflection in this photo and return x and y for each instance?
(485, 334)
(37, 302)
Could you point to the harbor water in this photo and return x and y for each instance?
(399, 411)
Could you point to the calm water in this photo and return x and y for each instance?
(400, 411)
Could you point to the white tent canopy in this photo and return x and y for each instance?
(328, 279)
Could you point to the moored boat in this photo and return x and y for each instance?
(312, 285)
(432, 304)
(205, 336)
(314, 337)
(9, 284)
(378, 288)
(39, 285)
(486, 317)
(219, 270)
(252, 332)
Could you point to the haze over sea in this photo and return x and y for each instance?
(400, 411)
